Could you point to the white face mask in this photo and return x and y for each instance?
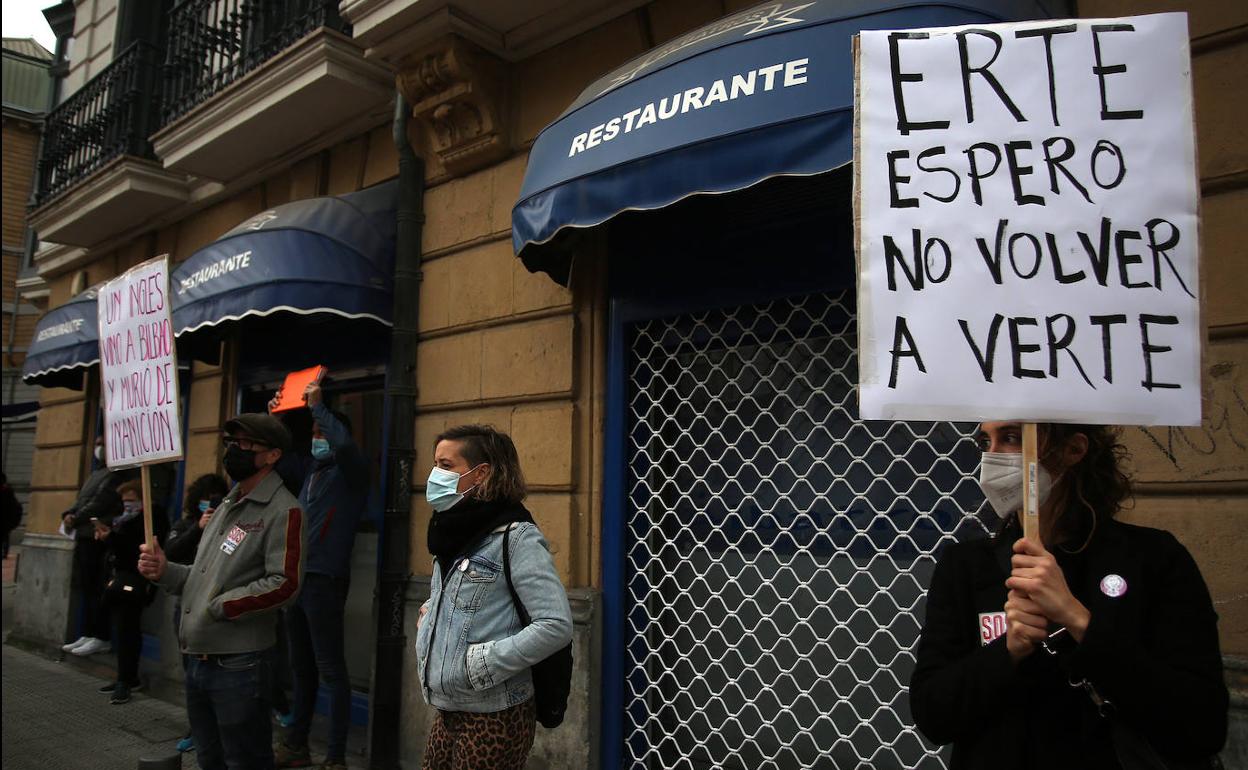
(1001, 479)
(99, 452)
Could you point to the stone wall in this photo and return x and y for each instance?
(1194, 481)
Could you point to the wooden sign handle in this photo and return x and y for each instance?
(146, 475)
(1031, 483)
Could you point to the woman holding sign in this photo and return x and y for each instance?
(1095, 649)
(127, 592)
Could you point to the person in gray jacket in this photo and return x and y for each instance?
(249, 564)
(472, 652)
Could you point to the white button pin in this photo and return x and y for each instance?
(1113, 585)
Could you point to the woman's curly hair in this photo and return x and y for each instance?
(1096, 487)
(206, 486)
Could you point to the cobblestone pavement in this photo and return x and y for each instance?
(53, 718)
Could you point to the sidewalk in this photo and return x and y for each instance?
(53, 717)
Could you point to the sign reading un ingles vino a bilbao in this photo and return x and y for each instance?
(139, 367)
(1027, 223)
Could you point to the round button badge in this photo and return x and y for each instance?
(1113, 586)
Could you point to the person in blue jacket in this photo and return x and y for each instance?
(333, 498)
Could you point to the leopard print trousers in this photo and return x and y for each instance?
(461, 740)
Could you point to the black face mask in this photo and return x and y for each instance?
(240, 463)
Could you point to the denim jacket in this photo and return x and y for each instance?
(472, 654)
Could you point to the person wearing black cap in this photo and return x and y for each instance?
(249, 564)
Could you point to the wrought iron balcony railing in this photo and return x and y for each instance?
(213, 43)
(113, 114)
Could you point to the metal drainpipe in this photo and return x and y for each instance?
(394, 572)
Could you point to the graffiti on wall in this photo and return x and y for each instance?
(1215, 451)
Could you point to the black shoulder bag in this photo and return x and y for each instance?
(552, 677)
(1132, 747)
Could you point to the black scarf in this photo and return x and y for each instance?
(455, 530)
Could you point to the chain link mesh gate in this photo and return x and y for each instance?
(777, 549)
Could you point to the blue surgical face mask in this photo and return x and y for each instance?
(442, 488)
(204, 505)
(129, 509)
(321, 450)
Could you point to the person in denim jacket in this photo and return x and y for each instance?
(473, 654)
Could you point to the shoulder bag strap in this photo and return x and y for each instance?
(515, 597)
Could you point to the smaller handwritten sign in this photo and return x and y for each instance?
(139, 367)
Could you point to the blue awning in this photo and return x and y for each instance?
(762, 93)
(23, 411)
(330, 256)
(65, 345)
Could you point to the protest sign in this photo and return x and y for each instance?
(139, 367)
(139, 372)
(1026, 212)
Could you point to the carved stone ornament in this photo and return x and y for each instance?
(456, 90)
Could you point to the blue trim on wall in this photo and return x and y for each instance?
(151, 647)
(359, 705)
(612, 553)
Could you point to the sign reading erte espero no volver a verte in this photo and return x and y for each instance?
(139, 367)
(1027, 230)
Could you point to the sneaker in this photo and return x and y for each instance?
(287, 756)
(76, 643)
(91, 647)
(186, 744)
(121, 694)
(132, 687)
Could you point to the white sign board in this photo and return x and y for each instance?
(1027, 224)
(139, 367)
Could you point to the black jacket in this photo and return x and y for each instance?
(1152, 651)
(124, 541)
(184, 539)
(98, 499)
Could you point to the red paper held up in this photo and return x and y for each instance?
(291, 395)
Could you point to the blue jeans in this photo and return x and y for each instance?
(227, 701)
(314, 624)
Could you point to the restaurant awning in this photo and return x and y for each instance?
(321, 257)
(66, 344)
(762, 93)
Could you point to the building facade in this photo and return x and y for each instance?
(678, 381)
(27, 90)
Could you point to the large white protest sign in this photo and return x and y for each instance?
(139, 367)
(1027, 228)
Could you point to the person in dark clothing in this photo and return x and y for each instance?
(333, 498)
(97, 499)
(10, 511)
(201, 499)
(1120, 611)
(127, 592)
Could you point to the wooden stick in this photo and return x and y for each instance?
(1031, 484)
(146, 474)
